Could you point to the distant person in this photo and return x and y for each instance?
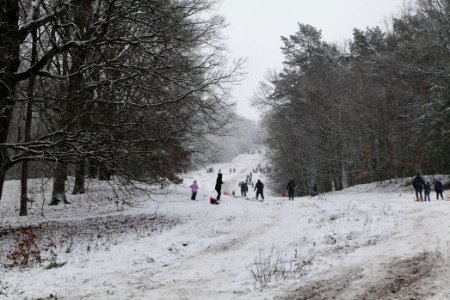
(418, 184)
(438, 189)
(233, 194)
(291, 189)
(244, 189)
(194, 189)
(259, 188)
(427, 190)
(218, 186)
(314, 190)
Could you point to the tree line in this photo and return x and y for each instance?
(375, 109)
(125, 87)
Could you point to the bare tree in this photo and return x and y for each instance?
(146, 81)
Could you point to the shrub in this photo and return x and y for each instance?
(27, 249)
(278, 265)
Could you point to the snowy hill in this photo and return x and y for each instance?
(366, 242)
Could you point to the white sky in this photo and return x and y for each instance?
(255, 28)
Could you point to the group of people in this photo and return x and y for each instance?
(259, 188)
(194, 188)
(419, 185)
(243, 186)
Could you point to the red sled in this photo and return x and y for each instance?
(213, 200)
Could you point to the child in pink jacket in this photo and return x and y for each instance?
(194, 188)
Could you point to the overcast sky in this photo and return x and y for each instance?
(255, 28)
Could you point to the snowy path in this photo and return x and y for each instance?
(366, 242)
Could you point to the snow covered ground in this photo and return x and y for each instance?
(366, 242)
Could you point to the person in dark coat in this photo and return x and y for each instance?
(427, 190)
(418, 184)
(219, 183)
(438, 189)
(314, 190)
(244, 189)
(259, 188)
(291, 189)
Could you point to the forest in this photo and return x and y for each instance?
(374, 109)
(139, 91)
(97, 88)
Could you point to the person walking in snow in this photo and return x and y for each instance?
(418, 184)
(259, 188)
(240, 188)
(291, 189)
(218, 186)
(314, 190)
(244, 189)
(194, 187)
(427, 190)
(438, 189)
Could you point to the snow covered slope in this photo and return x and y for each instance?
(370, 242)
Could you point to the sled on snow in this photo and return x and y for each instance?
(213, 200)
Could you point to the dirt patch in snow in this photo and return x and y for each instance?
(88, 234)
(407, 279)
(325, 289)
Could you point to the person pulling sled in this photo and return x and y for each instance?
(218, 189)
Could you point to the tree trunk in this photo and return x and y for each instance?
(92, 169)
(23, 189)
(27, 134)
(2, 178)
(59, 184)
(9, 64)
(104, 173)
(79, 179)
